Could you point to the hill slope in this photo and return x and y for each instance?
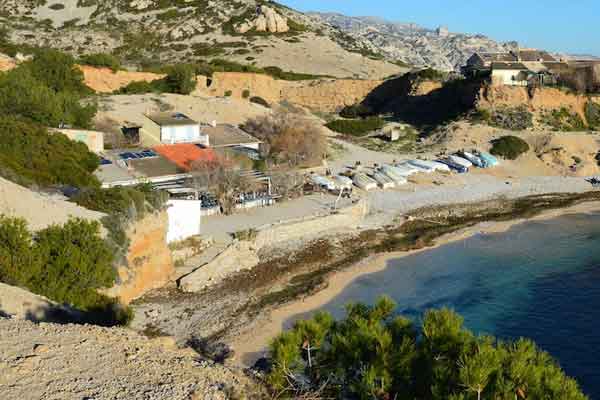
(414, 44)
(171, 31)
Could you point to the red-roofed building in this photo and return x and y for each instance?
(185, 154)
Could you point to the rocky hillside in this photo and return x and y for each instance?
(52, 361)
(258, 32)
(414, 44)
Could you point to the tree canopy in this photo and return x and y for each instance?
(375, 354)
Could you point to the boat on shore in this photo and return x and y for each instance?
(363, 182)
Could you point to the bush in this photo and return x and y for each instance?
(509, 147)
(259, 100)
(592, 114)
(67, 264)
(515, 119)
(30, 154)
(181, 79)
(356, 111)
(356, 127)
(245, 94)
(101, 60)
(375, 354)
(563, 120)
(57, 71)
(228, 93)
(141, 87)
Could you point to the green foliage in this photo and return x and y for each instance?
(592, 114)
(67, 264)
(356, 127)
(101, 60)
(356, 111)
(47, 89)
(563, 120)
(142, 87)
(509, 147)
(260, 100)
(430, 74)
(181, 79)
(374, 354)
(278, 73)
(228, 93)
(30, 154)
(246, 94)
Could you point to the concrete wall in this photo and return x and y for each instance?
(507, 77)
(184, 219)
(149, 263)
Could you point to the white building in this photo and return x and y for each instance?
(171, 128)
(509, 74)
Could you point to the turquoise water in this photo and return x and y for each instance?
(539, 280)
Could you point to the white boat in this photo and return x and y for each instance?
(404, 170)
(364, 182)
(433, 165)
(452, 165)
(394, 174)
(322, 182)
(460, 161)
(421, 165)
(473, 159)
(384, 181)
(342, 182)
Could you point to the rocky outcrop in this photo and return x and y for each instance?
(237, 257)
(266, 20)
(51, 361)
(21, 304)
(149, 263)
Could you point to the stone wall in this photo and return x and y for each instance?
(149, 263)
(326, 95)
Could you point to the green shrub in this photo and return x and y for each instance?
(246, 235)
(57, 6)
(68, 264)
(563, 120)
(509, 147)
(141, 87)
(228, 93)
(30, 154)
(246, 94)
(101, 60)
(356, 127)
(57, 71)
(356, 111)
(592, 114)
(375, 354)
(181, 79)
(260, 100)
(430, 74)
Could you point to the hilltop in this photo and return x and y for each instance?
(155, 32)
(414, 44)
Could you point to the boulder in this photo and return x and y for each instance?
(267, 20)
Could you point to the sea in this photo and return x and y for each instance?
(540, 280)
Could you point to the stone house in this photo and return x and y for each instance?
(171, 128)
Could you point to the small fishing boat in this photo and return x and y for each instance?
(472, 158)
(394, 173)
(434, 165)
(421, 165)
(342, 182)
(384, 181)
(364, 182)
(461, 161)
(322, 182)
(489, 159)
(454, 166)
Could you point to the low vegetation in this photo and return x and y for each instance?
(180, 79)
(356, 111)
(375, 354)
(67, 264)
(259, 100)
(30, 155)
(592, 114)
(48, 89)
(101, 60)
(514, 119)
(356, 127)
(509, 147)
(563, 120)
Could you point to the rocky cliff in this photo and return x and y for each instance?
(149, 264)
(413, 44)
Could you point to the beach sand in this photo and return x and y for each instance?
(251, 344)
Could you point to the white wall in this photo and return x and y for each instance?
(184, 219)
(507, 77)
(182, 134)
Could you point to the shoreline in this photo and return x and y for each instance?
(250, 345)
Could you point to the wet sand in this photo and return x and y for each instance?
(251, 344)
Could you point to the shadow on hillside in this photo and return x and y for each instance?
(426, 112)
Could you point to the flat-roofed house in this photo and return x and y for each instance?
(509, 74)
(171, 128)
(226, 135)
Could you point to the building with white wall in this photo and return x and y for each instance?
(171, 128)
(509, 74)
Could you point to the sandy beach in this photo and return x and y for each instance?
(251, 344)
